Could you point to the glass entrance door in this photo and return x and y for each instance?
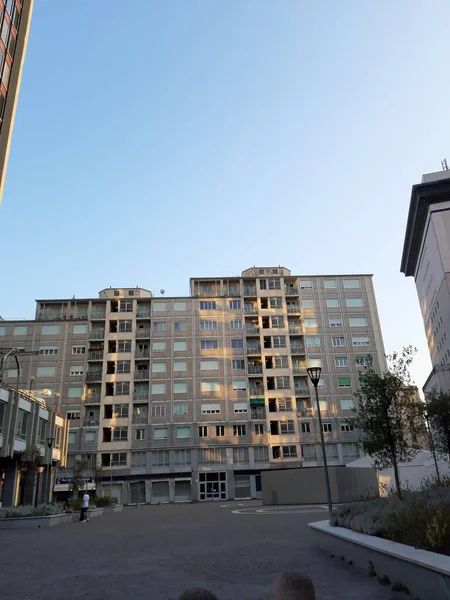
(212, 486)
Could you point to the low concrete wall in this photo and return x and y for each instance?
(425, 574)
(35, 522)
(95, 512)
(111, 509)
(307, 485)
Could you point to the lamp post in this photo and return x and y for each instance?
(314, 375)
(50, 441)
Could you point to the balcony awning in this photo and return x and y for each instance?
(257, 401)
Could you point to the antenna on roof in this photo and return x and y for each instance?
(444, 164)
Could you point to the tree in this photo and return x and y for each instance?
(78, 477)
(388, 413)
(437, 409)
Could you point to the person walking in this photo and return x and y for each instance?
(84, 508)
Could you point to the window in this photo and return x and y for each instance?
(335, 322)
(182, 458)
(126, 306)
(240, 456)
(179, 365)
(309, 452)
(284, 405)
(333, 303)
(306, 427)
(160, 433)
(261, 454)
(72, 437)
(220, 430)
(235, 304)
(340, 361)
(350, 450)
(139, 435)
(212, 456)
(12, 372)
(276, 302)
(330, 284)
(310, 323)
(159, 307)
(354, 302)
(89, 437)
(312, 340)
(289, 451)
(48, 350)
(351, 283)
(306, 285)
(338, 341)
(209, 386)
(326, 428)
(125, 345)
(344, 382)
(239, 385)
(158, 388)
(124, 326)
(282, 383)
(180, 346)
(80, 328)
(120, 434)
(281, 362)
(179, 326)
(238, 364)
(209, 365)
(240, 407)
(357, 321)
(50, 329)
(287, 427)
(131, 292)
(42, 432)
(209, 344)
(158, 367)
(279, 341)
(74, 392)
(159, 326)
(22, 424)
(118, 459)
(122, 389)
(78, 350)
(274, 284)
(203, 431)
(315, 361)
(239, 430)
(138, 460)
(180, 387)
(259, 428)
(208, 325)
(360, 340)
(158, 410)
(76, 370)
(20, 330)
(159, 346)
(210, 305)
(183, 432)
(210, 409)
(160, 459)
(263, 284)
(346, 427)
(278, 322)
(236, 324)
(363, 361)
(307, 303)
(73, 415)
(45, 371)
(179, 306)
(237, 343)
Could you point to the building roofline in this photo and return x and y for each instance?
(423, 195)
(304, 275)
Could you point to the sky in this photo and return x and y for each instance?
(157, 141)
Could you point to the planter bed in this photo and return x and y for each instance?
(35, 522)
(426, 574)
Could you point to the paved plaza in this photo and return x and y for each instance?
(155, 552)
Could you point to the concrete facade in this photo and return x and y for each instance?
(191, 398)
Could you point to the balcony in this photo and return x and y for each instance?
(299, 370)
(94, 376)
(91, 422)
(297, 349)
(92, 399)
(291, 291)
(251, 310)
(98, 315)
(96, 334)
(95, 355)
(141, 374)
(258, 413)
(256, 391)
(233, 293)
(255, 369)
(253, 349)
(142, 333)
(305, 412)
(302, 391)
(140, 419)
(252, 331)
(293, 309)
(51, 316)
(143, 313)
(249, 290)
(142, 354)
(141, 396)
(295, 330)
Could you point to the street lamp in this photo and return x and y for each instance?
(50, 441)
(314, 375)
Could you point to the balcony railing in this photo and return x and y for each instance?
(258, 413)
(251, 310)
(255, 369)
(51, 316)
(94, 376)
(143, 313)
(299, 371)
(256, 391)
(252, 331)
(295, 329)
(98, 315)
(141, 374)
(297, 349)
(293, 309)
(233, 293)
(142, 354)
(140, 396)
(92, 399)
(91, 422)
(140, 419)
(291, 291)
(305, 412)
(249, 290)
(253, 350)
(95, 355)
(95, 334)
(302, 390)
(143, 333)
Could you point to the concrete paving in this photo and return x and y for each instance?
(155, 552)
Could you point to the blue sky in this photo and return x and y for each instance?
(155, 141)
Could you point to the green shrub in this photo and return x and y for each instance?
(14, 512)
(101, 501)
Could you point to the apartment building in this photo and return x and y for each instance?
(190, 398)
(15, 20)
(426, 257)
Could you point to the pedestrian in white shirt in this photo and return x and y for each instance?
(84, 508)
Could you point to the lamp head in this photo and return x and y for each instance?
(314, 375)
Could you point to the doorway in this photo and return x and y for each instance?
(212, 486)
